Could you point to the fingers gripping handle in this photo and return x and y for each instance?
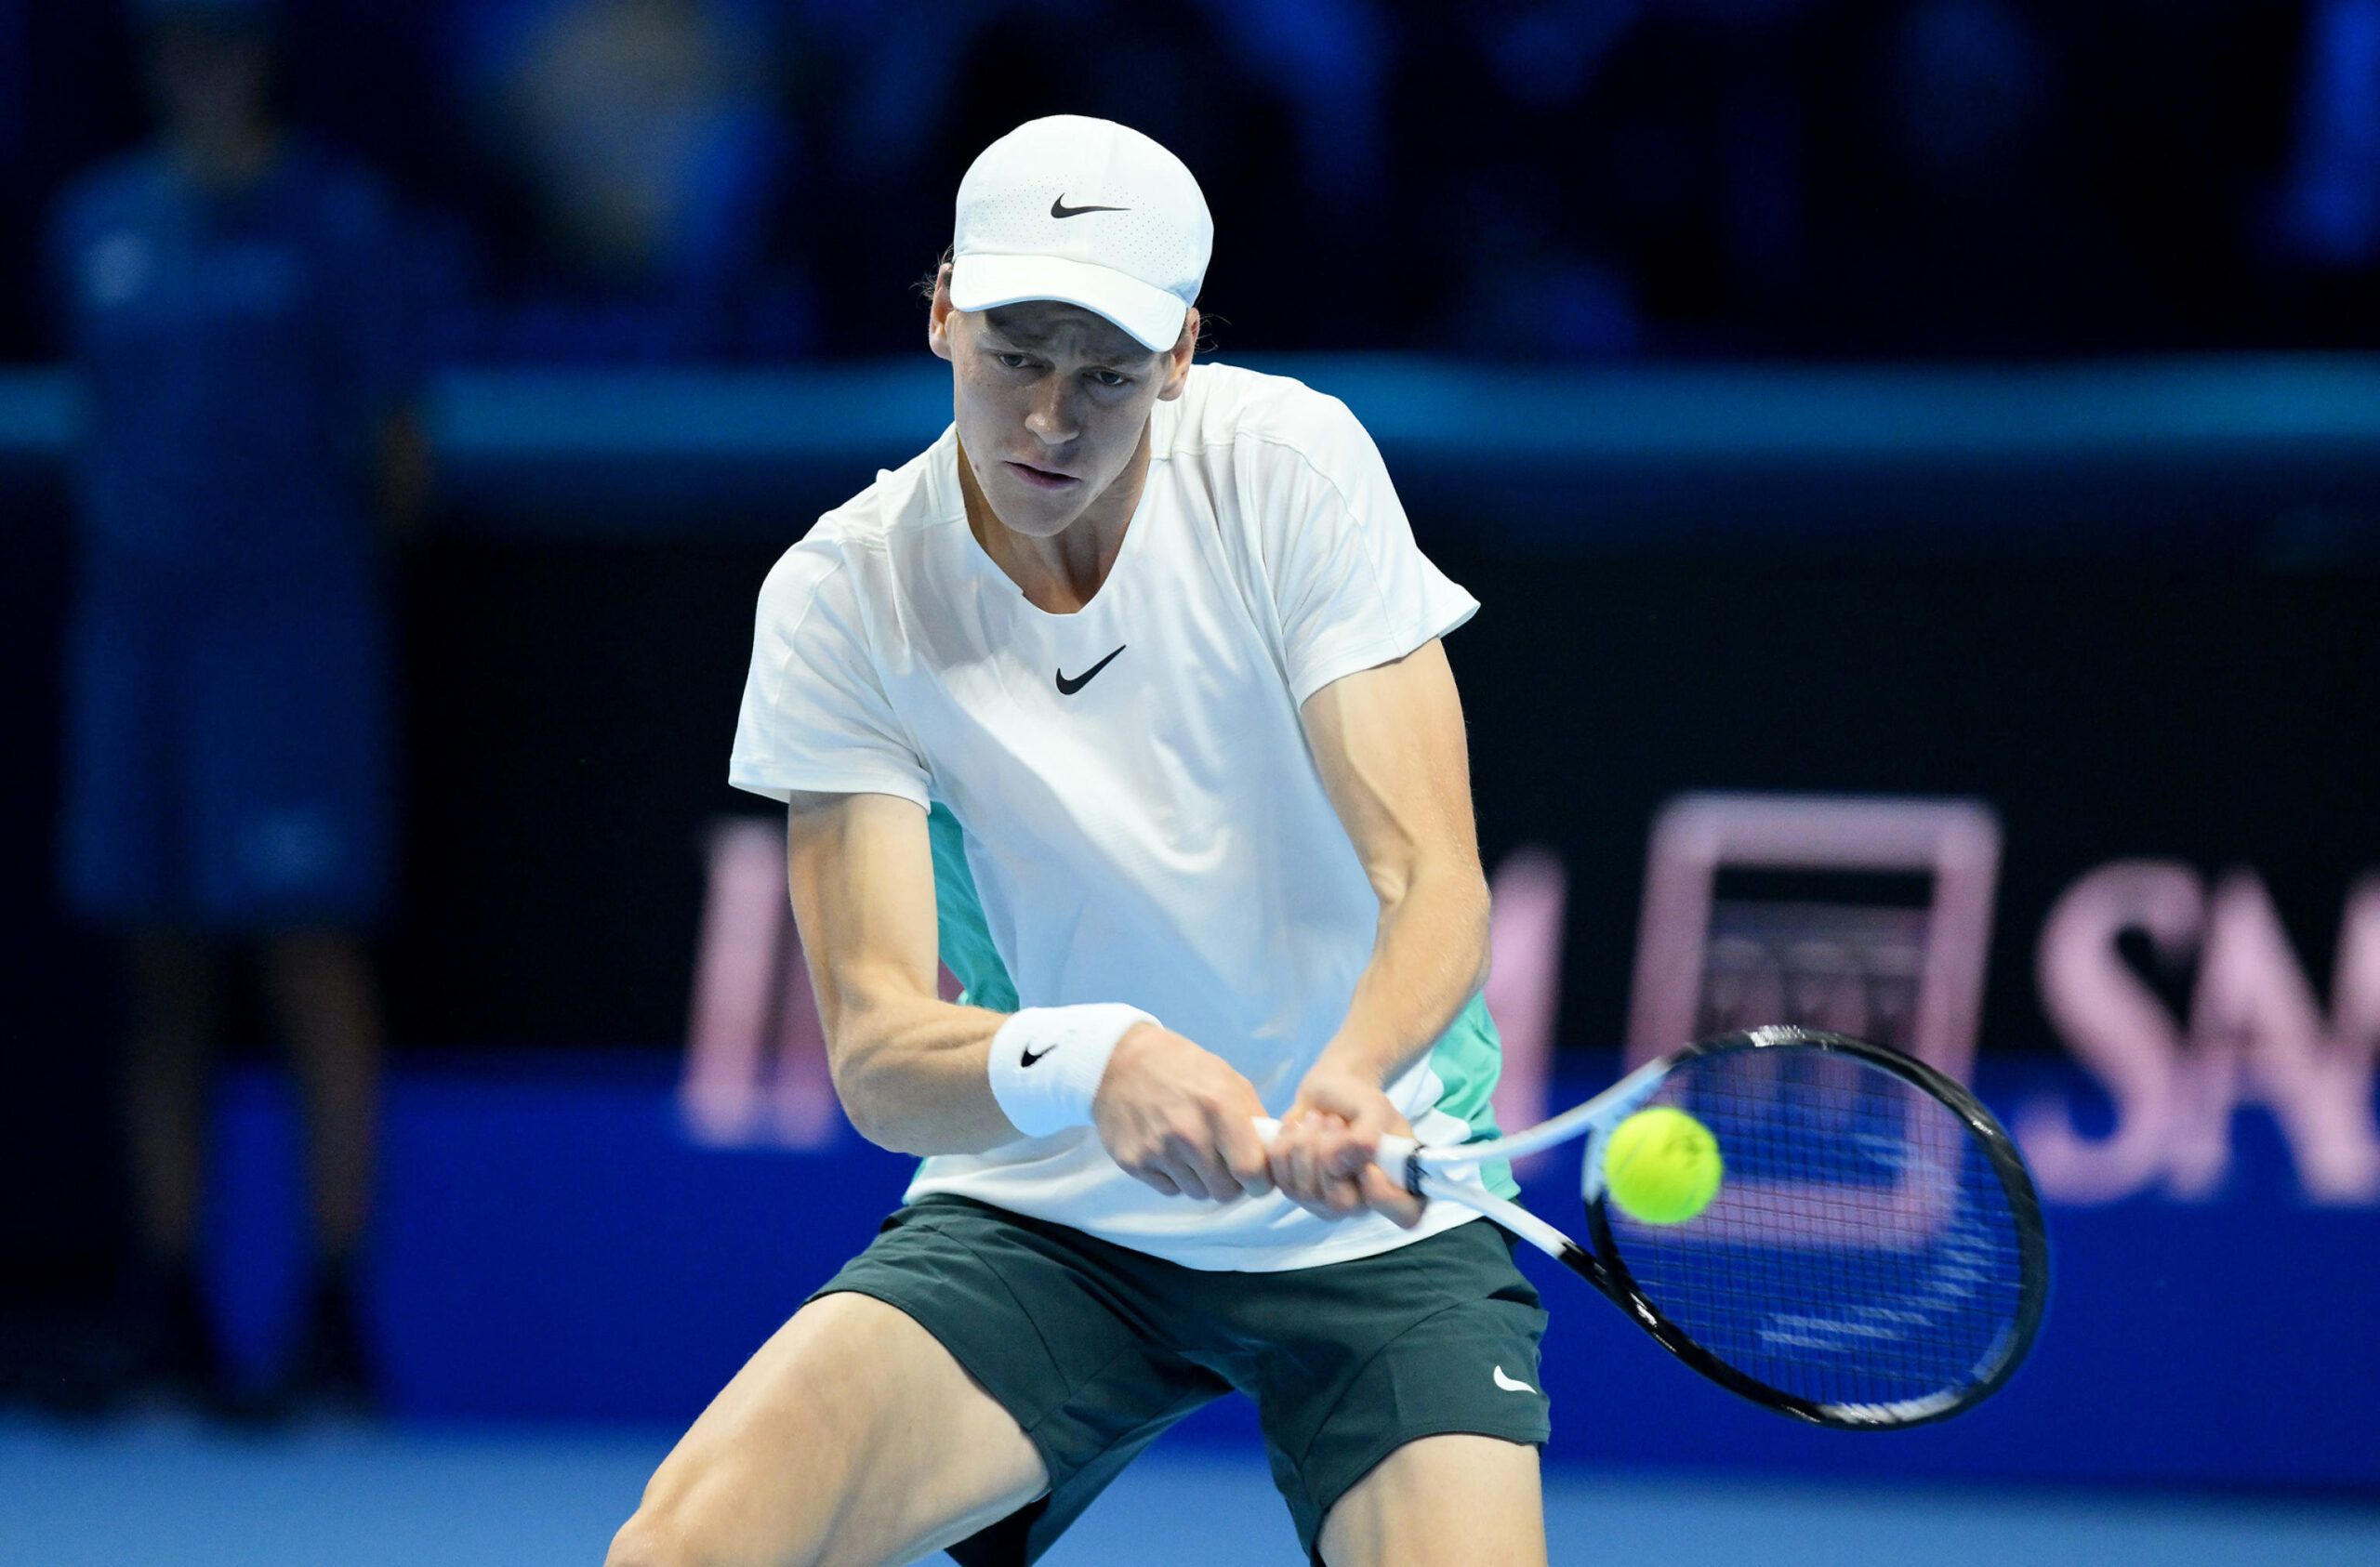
(1402, 1156)
(1399, 1156)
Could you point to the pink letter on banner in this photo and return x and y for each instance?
(756, 1058)
(2114, 1022)
(757, 1072)
(2255, 1013)
(2256, 1033)
(1524, 980)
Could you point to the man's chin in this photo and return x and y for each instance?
(1033, 514)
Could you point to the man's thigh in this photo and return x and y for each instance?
(852, 1438)
(1372, 1358)
(1443, 1501)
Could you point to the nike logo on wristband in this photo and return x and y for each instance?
(1068, 685)
(1029, 1057)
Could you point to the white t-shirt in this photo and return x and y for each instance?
(1141, 818)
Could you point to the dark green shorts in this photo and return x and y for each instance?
(1096, 1349)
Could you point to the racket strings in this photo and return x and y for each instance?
(1862, 1251)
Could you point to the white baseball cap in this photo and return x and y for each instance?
(1087, 212)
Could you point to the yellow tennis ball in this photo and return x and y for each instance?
(1661, 1166)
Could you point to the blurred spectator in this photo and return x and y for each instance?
(688, 179)
(1971, 84)
(2330, 207)
(232, 296)
(1532, 169)
(647, 137)
(1982, 235)
(1528, 294)
(1280, 105)
(1328, 59)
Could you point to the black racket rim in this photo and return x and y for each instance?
(2024, 1207)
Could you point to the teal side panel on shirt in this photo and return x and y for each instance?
(1468, 1058)
(966, 941)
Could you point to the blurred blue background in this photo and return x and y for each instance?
(1950, 398)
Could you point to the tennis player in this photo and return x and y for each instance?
(1127, 698)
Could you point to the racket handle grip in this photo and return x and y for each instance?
(1395, 1153)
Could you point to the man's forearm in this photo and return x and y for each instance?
(1429, 959)
(909, 1067)
(912, 1075)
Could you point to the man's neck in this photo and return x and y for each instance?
(1063, 572)
(227, 157)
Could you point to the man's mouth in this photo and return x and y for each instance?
(1041, 478)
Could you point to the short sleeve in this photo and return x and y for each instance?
(815, 719)
(1351, 587)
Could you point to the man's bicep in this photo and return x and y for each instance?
(1389, 743)
(860, 868)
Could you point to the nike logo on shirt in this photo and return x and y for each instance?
(1069, 684)
(1509, 1384)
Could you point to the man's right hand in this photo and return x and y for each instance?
(1180, 1118)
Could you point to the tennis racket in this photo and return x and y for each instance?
(1873, 1258)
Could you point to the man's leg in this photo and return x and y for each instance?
(1394, 1355)
(319, 983)
(1442, 1501)
(321, 986)
(173, 1006)
(852, 1439)
(172, 984)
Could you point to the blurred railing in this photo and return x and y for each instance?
(2272, 458)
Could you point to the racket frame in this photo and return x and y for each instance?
(1453, 1173)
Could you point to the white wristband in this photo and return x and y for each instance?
(1047, 1062)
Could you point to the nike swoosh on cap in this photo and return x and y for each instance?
(1059, 209)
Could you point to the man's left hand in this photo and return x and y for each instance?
(1323, 1157)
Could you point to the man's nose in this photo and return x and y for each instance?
(1051, 417)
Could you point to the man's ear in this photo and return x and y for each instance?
(1178, 358)
(938, 315)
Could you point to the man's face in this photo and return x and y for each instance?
(1052, 402)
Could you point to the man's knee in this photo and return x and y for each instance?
(647, 1541)
(664, 1536)
(1455, 1498)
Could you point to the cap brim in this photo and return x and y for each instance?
(984, 283)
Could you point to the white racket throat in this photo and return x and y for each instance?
(1600, 1114)
(1453, 1174)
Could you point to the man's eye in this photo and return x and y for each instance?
(1015, 362)
(1110, 378)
